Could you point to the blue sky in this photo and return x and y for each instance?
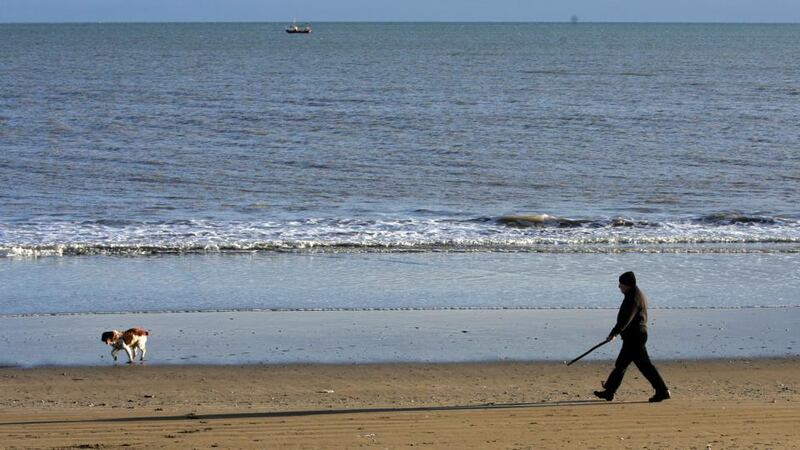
(399, 10)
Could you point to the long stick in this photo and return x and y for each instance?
(589, 351)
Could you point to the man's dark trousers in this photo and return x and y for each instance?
(634, 351)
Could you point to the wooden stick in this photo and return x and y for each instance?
(589, 351)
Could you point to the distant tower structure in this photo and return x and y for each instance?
(573, 19)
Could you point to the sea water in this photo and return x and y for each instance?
(415, 281)
(206, 167)
(152, 138)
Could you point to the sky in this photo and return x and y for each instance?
(399, 10)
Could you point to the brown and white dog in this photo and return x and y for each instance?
(129, 341)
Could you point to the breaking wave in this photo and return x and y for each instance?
(715, 233)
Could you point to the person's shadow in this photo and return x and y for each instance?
(327, 412)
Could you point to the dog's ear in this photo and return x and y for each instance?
(107, 336)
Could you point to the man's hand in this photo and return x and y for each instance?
(610, 338)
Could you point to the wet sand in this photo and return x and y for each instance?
(405, 336)
(717, 403)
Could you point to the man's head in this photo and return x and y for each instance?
(627, 281)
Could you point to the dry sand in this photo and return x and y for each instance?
(721, 404)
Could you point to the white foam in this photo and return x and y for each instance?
(562, 235)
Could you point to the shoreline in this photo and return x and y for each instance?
(425, 281)
(396, 336)
(388, 310)
(487, 362)
(720, 403)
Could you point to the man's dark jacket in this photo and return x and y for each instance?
(632, 316)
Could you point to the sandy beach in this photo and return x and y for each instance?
(716, 404)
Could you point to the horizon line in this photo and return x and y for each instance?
(579, 22)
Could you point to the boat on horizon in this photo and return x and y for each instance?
(294, 28)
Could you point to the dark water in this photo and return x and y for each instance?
(151, 138)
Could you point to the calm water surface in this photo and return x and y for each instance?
(534, 140)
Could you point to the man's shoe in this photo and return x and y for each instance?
(605, 395)
(660, 397)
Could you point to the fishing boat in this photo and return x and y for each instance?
(294, 28)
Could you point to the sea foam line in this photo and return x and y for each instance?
(654, 246)
(538, 234)
(392, 309)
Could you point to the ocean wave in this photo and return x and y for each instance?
(721, 219)
(731, 218)
(542, 233)
(546, 220)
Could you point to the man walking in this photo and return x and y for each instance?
(632, 327)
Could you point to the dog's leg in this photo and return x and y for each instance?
(143, 348)
(129, 351)
(114, 352)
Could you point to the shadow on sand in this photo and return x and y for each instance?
(326, 412)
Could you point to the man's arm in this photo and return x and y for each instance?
(626, 314)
